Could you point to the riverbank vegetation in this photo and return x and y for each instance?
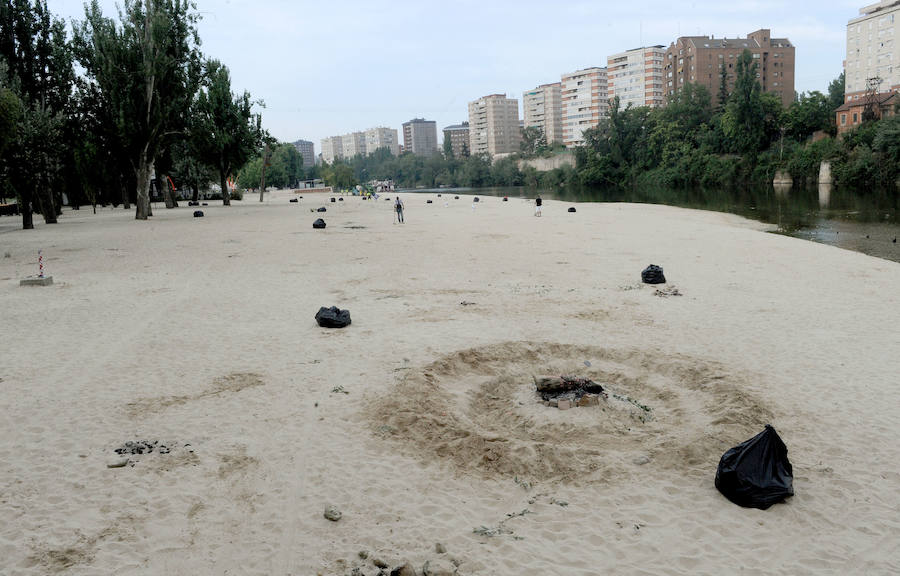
(689, 143)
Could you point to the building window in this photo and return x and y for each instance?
(843, 119)
(855, 117)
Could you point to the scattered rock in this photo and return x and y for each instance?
(438, 567)
(456, 197)
(319, 223)
(405, 569)
(666, 292)
(476, 199)
(322, 209)
(363, 554)
(334, 199)
(641, 460)
(332, 513)
(118, 463)
(340, 199)
(440, 548)
(379, 562)
(293, 200)
(204, 204)
(564, 404)
(428, 202)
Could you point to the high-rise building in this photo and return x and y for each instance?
(354, 144)
(494, 125)
(381, 137)
(636, 76)
(542, 108)
(703, 60)
(307, 151)
(332, 149)
(873, 51)
(584, 103)
(420, 137)
(458, 136)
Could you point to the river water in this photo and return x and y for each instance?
(867, 223)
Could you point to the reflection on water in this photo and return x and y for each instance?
(866, 223)
(824, 194)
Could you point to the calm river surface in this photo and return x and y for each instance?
(867, 224)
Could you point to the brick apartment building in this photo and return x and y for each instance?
(700, 60)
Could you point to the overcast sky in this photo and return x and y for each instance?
(329, 67)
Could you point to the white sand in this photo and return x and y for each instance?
(201, 332)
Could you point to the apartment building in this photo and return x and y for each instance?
(307, 152)
(420, 137)
(354, 144)
(584, 102)
(332, 149)
(701, 60)
(873, 51)
(636, 76)
(494, 125)
(458, 135)
(381, 137)
(542, 108)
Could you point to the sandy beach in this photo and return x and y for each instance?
(419, 421)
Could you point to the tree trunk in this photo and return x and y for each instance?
(45, 199)
(27, 218)
(226, 197)
(195, 192)
(167, 193)
(144, 168)
(126, 202)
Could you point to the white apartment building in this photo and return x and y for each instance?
(381, 137)
(332, 149)
(542, 108)
(494, 125)
(354, 144)
(636, 76)
(584, 103)
(873, 50)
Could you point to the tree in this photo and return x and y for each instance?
(448, 147)
(38, 70)
(533, 140)
(722, 96)
(227, 133)
(147, 71)
(810, 112)
(751, 119)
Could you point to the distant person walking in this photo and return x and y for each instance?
(398, 206)
(537, 206)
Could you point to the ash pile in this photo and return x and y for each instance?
(566, 392)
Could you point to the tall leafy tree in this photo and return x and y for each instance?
(226, 131)
(147, 69)
(38, 67)
(751, 118)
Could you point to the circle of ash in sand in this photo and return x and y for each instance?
(478, 410)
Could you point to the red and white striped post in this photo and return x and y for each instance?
(40, 264)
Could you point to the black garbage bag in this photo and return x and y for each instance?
(476, 199)
(756, 473)
(572, 209)
(428, 201)
(653, 274)
(333, 317)
(293, 200)
(198, 213)
(319, 223)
